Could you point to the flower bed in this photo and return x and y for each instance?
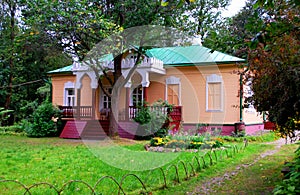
(177, 143)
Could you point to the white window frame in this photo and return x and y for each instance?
(211, 79)
(172, 80)
(102, 95)
(132, 95)
(69, 86)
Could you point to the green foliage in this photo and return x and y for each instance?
(238, 133)
(153, 119)
(44, 121)
(187, 142)
(233, 34)
(4, 115)
(290, 185)
(12, 130)
(206, 17)
(274, 64)
(143, 115)
(176, 144)
(26, 55)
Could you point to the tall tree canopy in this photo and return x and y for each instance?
(25, 57)
(79, 25)
(274, 64)
(266, 33)
(201, 17)
(233, 35)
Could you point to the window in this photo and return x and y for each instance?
(137, 96)
(69, 94)
(70, 97)
(172, 94)
(106, 100)
(214, 93)
(173, 90)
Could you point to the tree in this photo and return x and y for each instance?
(25, 57)
(274, 65)
(202, 17)
(233, 34)
(79, 25)
(8, 38)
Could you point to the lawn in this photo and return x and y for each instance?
(58, 161)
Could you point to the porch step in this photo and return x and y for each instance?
(73, 129)
(95, 130)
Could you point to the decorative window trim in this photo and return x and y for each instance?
(69, 85)
(172, 80)
(213, 78)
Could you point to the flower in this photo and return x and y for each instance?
(54, 119)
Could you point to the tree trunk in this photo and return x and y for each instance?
(114, 113)
(12, 8)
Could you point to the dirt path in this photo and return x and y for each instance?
(207, 186)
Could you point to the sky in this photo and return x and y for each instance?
(233, 8)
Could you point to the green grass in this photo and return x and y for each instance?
(260, 178)
(57, 161)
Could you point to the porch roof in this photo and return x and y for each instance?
(191, 55)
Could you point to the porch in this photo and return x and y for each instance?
(86, 113)
(81, 121)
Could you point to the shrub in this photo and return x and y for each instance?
(4, 115)
(153, 122)
(290, 185)
(45, 121)
(11, 130)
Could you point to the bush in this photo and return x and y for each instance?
(290, 185)
(44, 121)
(11, 130)
(153, 122)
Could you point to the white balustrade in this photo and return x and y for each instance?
(126, 63)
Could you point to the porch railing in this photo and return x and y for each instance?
(87, 112)
(76, 111)
(175, 114)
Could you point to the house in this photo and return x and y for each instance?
(204, 87)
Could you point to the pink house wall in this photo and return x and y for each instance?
(226, 129)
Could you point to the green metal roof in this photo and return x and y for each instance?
(191, 55)
(178, 56)
(62, 70)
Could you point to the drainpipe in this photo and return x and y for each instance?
(241, 97)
